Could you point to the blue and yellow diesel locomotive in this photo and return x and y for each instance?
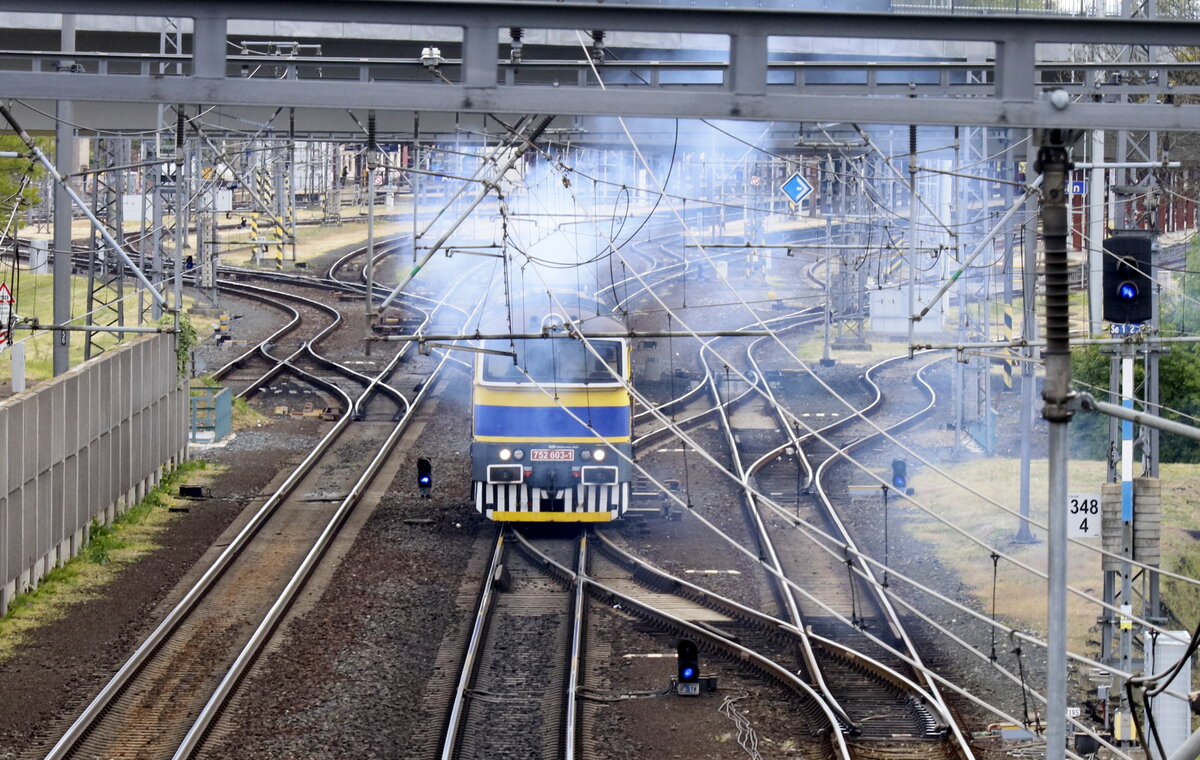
(543, 425)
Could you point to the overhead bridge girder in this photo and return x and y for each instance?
(1007, 90)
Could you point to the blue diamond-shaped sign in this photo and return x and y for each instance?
(796, 188)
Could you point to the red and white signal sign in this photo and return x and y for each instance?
(6, 304)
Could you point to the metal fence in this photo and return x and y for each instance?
(81, 448)
(212, 414)
(1078, 8)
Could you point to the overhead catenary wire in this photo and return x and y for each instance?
(920, 458)
(754, 556)
(767, 500)
(744, 483)
(707, 456)
(870, 423)
(940, 518)
(536, 132)
(58, 178)
(886, 644)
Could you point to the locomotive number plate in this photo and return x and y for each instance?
(552, 455)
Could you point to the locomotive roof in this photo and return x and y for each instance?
(531, 320)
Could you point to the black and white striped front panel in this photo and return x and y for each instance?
(519, 497)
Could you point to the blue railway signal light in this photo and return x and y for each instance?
(899, 475)
(687, 667)
(1126, 282)
(424, 476)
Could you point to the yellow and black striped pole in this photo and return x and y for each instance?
(253, 219)
(277, 241)
(290, 213)
(274, 233)
(262, 188)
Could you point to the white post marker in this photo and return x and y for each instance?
(6, 304)
(1083, 515)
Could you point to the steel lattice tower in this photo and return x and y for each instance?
(106, 273)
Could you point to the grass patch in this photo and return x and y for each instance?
(35, 298)
(243, 415)
(811, 350)
(1181, 551)
(314, 241)
(109, 548)
(1021, 596)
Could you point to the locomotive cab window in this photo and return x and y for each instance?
(557, 361)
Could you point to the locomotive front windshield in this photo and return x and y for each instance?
(555, 360)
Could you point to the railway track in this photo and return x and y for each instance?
(515, 695)
(862, 675)
(880, 698)
(250, 371)
(523, 675)
(166, 697)
(895, 722)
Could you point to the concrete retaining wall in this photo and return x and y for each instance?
(82, 447)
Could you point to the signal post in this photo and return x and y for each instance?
(1129, 306)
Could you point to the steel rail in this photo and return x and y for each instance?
(745, 332)
(263, 632)
(371, 383)
(699, 388)
(579, 591)
(332, 274)
(183, 608)
(466, 674)
(264, 295)
(811, 434)
(794, 438)
(160, 634)
(248, 354)
(740, 653)
(770, 557)
(881, 599)
(401, 401)
(735, 609)
(928, 691)
(281, 364)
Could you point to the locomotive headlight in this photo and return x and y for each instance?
(518, 455)
(505, 455)
(599, 455)
(585, 454)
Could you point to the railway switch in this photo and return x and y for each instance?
(687, 674)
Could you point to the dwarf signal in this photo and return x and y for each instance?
(424, 477)
(687, 672)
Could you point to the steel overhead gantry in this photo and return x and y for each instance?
(479, 81)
